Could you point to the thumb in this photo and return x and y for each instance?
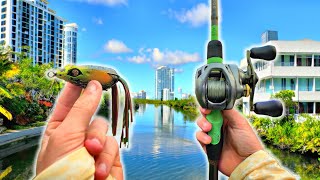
(84, 108)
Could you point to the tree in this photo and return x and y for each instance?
(24, 88)
(286, 96)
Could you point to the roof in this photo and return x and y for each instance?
(299, 46)
(74, 25)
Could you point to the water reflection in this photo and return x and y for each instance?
(163, 147)
(141, 109)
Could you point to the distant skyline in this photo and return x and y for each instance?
(135, 36)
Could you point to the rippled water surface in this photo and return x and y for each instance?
(162, 146)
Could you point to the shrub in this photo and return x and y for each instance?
(302, 137)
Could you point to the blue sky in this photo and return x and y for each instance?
(135, 36)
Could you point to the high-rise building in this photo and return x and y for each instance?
(166, 94)
(31, 23)
(296, 68)
(142, 95)
(269, 36)
(164, 80)
(70, 44)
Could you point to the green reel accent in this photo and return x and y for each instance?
(214, 60)
(214, 32)
(216, 119)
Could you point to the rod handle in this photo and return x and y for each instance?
(215, 147)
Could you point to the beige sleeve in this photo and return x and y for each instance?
(261, 165)
(77, 165)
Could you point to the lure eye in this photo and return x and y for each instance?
(74, 72)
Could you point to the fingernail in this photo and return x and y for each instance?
(92, 86)
(96, 141)
(208, 139)
(102, 167)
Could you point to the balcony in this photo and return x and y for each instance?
(289, 71)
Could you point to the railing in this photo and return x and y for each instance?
(284, 64)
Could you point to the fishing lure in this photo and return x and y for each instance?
(82, 75)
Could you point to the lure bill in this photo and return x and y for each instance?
(82, 75)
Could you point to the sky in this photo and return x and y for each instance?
(137, 36)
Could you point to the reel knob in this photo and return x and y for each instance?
(265, 53)
(273, 108)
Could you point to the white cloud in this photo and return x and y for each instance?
(104, 2)
(84, 29)
(116, 47)
(196, 16)
(178, 70)
(174, 57)
(139, 59)
(157, 57)
(97, 21)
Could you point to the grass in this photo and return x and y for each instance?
(31, 125)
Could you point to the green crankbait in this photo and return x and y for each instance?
(82, 75)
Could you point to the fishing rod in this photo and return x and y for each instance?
(219, 85)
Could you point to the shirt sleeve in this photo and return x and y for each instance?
(261, 165)
(76, 165)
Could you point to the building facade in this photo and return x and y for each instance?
(164, 80)
(269, 36)
(296, 68)
(70, 44)
(142, 95)
(30, 23)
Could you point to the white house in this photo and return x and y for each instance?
(297, 68)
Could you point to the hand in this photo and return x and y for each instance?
(240, 141)
(68, 129)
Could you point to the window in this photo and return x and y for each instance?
(3, 3)
(306, 107)
(3, 22)
(283, 84)
(316, 60)
(4, 9)
(3, 16)
(268, 86)
(291, 60)
(3, 29)
(317, 84)
(304, 60)
(305, 84)
(3, 36)
(293, 84)
(317, 108)
(285, 60)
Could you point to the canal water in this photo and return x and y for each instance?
(162, 146)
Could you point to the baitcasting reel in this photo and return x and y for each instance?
(219, 85)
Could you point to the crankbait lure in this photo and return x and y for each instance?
(82, 75)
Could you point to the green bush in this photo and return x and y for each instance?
(301, 137)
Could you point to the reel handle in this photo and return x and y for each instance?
(273, 108)
(265, 53)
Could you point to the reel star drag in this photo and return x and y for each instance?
(82, 75)
(219, 85)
